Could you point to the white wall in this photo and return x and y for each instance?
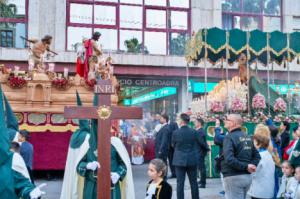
(206, 14)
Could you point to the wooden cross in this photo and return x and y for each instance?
(104, 113)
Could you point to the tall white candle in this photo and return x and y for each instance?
(16, 70)
(51, 67)
(66, 71)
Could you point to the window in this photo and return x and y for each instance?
(6, 38)
(296, 22)
(13, 22)
(252, 14)
(135, 26)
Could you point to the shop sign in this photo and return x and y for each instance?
(150, 82)
(163, 92)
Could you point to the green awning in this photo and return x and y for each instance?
(282, 46)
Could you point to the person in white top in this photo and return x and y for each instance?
(263, 181)
(293, 188)
(288, 175)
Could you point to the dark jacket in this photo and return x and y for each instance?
(219, 139)
(203, 144)
(163, 190)
(26, 151)
(186, 143)
(173, 127)
(285, 140)
(162, 142)
(238, 151)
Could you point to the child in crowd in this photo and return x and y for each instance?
(158, 187)
(15, 147)
(288, 172)
(293, 188)
(263, 181)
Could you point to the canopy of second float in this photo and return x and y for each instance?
(213, 43)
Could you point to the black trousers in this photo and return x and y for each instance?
(191, 171)
(202, 169)
(30, 175)
(170, 158)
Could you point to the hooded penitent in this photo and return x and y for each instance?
(11, 120)
(6, 179)
(78, 136)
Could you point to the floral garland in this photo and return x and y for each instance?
(60, 83)
(258, 102)
(16, 82)
(280, 105)
(217, 107)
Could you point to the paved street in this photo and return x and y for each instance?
(53, 188)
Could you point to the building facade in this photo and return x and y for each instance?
(160, 29)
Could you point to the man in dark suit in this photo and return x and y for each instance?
(186, 143)
(162, 139)
(173, 127)
(199, 123)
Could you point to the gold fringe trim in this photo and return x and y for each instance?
(49, 127)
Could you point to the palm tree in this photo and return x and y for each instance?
(7, 10)
(177, 44)
(133, 46)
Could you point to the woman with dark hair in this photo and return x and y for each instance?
(285, 136)
(290, 147)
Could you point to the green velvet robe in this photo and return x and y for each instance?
(90, 183)
(15, 185)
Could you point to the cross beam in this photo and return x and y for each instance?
(104, 113)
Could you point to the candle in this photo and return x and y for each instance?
(51, 67)
(66, 71)
(16, 70)
(59, 75)
(30, 65)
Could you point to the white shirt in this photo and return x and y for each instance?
(263, 180)
(151, 190)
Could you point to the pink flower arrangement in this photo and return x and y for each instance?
(280, 105)
(217, 107)
(258, 101)
(237, 105)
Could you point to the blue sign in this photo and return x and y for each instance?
(163, 92)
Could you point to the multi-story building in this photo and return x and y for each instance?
(160, 27)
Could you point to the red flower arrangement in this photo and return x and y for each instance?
(60, 83)
(16, 82)
(90, 83)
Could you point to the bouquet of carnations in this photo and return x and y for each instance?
(90, 83)
(60, 83)
(280, 105)
(237, 105)
(16, 82)
(259, 102)
(217, 107)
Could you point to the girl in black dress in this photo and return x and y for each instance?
(158, 188)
